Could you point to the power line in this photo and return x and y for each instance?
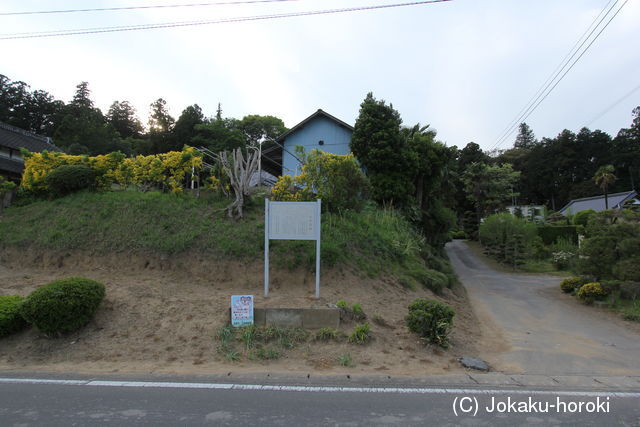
(159, 6)
(609, 108)
(549, 87)
(97, 30)
(574, 49)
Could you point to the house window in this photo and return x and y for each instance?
(5, 152)
(321, 142)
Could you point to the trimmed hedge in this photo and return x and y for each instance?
(67, 179)
(431, 319)
(10, 319)
(590, 292)
(64, 305)
(551, 234)
(570, 284)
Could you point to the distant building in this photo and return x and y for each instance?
(535, 213)
(597, 203)
(320, 130)
(12, 139)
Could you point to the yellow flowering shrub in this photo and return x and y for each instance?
(167, 171)
(336, 179)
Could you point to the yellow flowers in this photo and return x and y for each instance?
(167, 171)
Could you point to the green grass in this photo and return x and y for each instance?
(378, 242)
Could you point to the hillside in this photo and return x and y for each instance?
(171, 263)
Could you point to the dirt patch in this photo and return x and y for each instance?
(162, 315)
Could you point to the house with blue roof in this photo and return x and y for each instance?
(597, 203)
(320, 130)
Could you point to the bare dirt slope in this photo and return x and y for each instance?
(161, 315)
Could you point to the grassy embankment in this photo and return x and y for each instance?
(375, 242)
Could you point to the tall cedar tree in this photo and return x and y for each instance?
(379, 146)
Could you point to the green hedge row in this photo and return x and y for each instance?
(59, 307)
(551, 234)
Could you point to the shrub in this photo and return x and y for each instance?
(361, 334)
(460, 234)
(632, 314)
(562, 259)
(551, 234)
(431, 279)
(570, 284)
(336, 179)
(590, 292)
(342, 304)
(10, 319)
(357, 311)
(582, 217)
(628, 269)
(630, 290)
(610, 286)
(507, 238)
(67, 179)
(431, 319)
(64, 305)
(600, 256)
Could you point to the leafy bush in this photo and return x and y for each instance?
(342, 304)
(431, 279)
(610, 286)
(431, 319)
(570, 284)
(562, 260)
(632, 314)
(67, 179)
(628, 269)
(507, 238)
(551, 234)
(582, 217)
(357, 311)
(64, 305)
(361, 334)
(590, 292)
(599, 256)
(336, 179)
(460, 234)
(345, 360)
(10, 319)
(630, 290)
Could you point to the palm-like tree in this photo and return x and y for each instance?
(603, 178)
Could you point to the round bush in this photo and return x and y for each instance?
(590, 292)
(10, 319)
(64, 305)
(431, 319)
(570, 284)
(67, 179)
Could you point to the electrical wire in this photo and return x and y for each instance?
(158, 6)
(98, 30)
(609, 108)
(553, 75)
(548, 89)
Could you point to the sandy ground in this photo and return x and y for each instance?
(161, 316)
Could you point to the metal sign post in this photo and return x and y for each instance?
(291, 221)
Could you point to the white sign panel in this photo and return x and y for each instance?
(293, 220)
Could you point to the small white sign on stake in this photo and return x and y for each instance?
(291, 221)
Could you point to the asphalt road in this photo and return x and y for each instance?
(547, 333)
(97, 402)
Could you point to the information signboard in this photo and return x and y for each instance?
(241, 310)
(291, 221)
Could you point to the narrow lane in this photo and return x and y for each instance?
(547, 332)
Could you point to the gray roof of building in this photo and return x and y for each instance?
(319, 113)
(16, 138)
(597, 203)
(12, 166)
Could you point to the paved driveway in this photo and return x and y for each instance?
(545, 331)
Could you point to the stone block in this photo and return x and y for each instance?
(284, 317)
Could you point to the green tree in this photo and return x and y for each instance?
(526, 138)
(489, 187)
(184, 129)
(379, 146)
(603, 178)
(122, 116)
(160, 126)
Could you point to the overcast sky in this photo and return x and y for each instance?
(465, 67)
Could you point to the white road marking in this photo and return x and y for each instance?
(313, 389)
